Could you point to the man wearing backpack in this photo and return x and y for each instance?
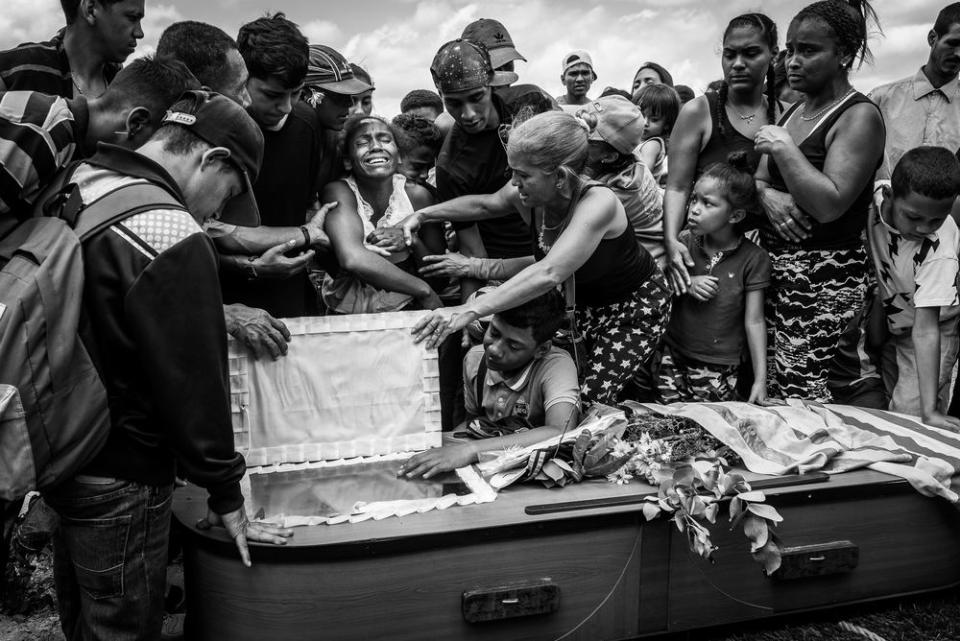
(156, 333)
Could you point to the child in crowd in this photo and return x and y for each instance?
(914, 244)
(420, 141)
(518, 387)
(723, 307)
(660, 105)
(618, 128)
(362, 102)
(422, 102)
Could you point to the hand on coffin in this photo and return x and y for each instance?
(438, 460)
(242, 530)
(758, 394)
(260, 332)
(440, 323)
(936, 419)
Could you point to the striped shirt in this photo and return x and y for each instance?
(39, 135)
(42, 66)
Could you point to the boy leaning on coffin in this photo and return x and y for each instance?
(914, 244)
(111, 549)
(519, 389)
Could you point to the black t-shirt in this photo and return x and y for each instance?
(286, 187)
(477, 164)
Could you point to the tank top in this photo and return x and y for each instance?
(845, 231)
(616, 268)
(398, 208)
(719, 146)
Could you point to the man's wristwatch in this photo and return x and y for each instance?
(306, 236)
(249, 268)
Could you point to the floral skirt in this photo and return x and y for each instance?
(813, 296)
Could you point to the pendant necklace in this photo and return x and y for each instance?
(544, 228)
(825, 109)
(747, 118)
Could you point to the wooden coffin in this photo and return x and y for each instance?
(549, 564)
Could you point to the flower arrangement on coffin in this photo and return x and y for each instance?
(686, 463)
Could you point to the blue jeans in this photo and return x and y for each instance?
(110, 558)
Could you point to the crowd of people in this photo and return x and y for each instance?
(780, 236)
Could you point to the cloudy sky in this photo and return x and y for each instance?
(396, 39)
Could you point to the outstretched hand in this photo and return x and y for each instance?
(242, 530)
(440, 323)
(449, 265)
(438, 460)
(273, 263)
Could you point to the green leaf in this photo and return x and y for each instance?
(650, 511)
(770, 556)
(753, 495)
(765, 511)
(736, 507)
(697, 506)
(553, 470)
(710, 512)
(563, 465)
(683, 475)
(724, 484)
(678, 519)
(755, 529)
(608, 465)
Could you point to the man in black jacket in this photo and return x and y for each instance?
(156, 333)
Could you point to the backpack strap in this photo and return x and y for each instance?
(481, 378)
(122, 203)
(62, 199)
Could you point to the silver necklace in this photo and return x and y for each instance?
(748, 118)
(544, 228)
(825, 109)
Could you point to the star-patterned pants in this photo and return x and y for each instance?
(619, 340)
